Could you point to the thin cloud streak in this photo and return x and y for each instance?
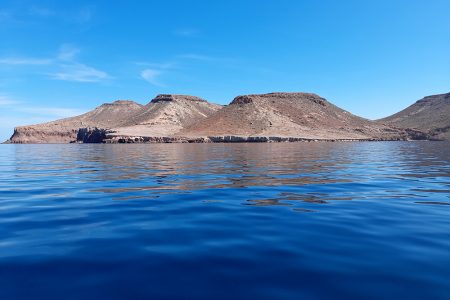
(178, 62)
(151, 76)
(6, 101)
(67, 52)
(65, 61)
(53, 112)
(11, 105)
(15, 113)
(25, 61)
(80, 73)
(186, 32)
(41, 11)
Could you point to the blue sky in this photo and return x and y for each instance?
(373, 58)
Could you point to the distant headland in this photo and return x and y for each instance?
(273, 117)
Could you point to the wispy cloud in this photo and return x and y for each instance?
(71, 70)
(153, 71)
(186, 32)
(53, 112)
(25, 61)
(66, 66)
(68, 52)
(23, 114)
(151, 76)
(79, 72)
(6, 101)
(14, 113)
(40, 11)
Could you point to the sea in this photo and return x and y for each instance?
(306, 220)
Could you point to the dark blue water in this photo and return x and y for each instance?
(225, 221)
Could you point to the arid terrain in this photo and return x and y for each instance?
(65, 130)
(430, 114)
(166, 115)
(293, 115)
(248, 118)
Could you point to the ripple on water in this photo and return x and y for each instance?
(253, 221)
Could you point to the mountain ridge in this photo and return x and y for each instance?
(277, 116)
(289, 115)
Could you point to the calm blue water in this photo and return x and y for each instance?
(225, 221)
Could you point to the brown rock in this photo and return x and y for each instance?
(295, 115)
(431, 114)
(65, 130)
(166, 115)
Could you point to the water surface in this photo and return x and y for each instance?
(225, 221)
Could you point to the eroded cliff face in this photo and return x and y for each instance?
(43, 135)
(92, 135)
(66, 130)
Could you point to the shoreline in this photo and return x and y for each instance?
(221, 140)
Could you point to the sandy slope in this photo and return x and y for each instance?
(166, 115)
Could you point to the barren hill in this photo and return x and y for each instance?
(166, 115)
(430, 114)
(65, 130)
(301, 115)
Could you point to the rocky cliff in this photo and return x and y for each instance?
(65, 130)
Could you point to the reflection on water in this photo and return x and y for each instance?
(203, 221)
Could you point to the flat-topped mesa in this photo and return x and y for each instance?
(279, 96)
(289, 115)
(121, 103)
(173, 97)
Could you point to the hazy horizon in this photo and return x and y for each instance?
(372, 59)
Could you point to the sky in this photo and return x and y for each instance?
(372, 58)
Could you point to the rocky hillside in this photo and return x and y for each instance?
(430, 114)
(299, 115)
(65, 130)
(251, 118)
(166, 115)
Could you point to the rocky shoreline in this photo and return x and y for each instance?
(107, 136)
